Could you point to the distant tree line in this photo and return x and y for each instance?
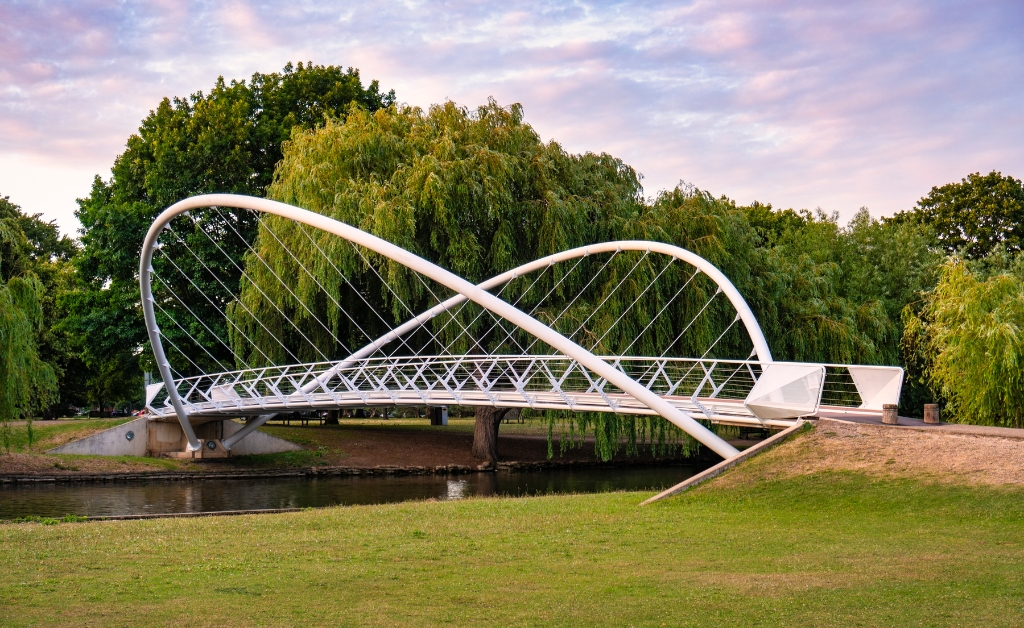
(938, 288)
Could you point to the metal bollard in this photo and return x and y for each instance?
(931, 413)
(890, 414)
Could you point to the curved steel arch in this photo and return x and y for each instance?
(761, 349)
(476, 293)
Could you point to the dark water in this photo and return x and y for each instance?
(57, 500)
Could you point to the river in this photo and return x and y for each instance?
(191, 496)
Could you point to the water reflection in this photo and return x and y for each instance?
(57, 500)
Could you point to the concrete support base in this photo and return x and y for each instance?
(144, 437)
(211, 449)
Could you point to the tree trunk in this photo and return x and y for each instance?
(332, 417)
(485, 433)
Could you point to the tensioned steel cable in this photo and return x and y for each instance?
(581, 292)
(167, 287)
(224, 314)
(456, 313)
(282, 282)
(692, 321)
(438, 300)
(190, 336)
(662, 311)
(265, 296)
(354, 289)
(462, 306)
(395, 294)
(633, 303)
(237, 299)
(609, 295)
(498, 321)
(701, 358)
(540, 302)
(183, 354)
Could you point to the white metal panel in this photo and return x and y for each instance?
(877, 385)
(786, 390)
(152, 391)
(225, 392)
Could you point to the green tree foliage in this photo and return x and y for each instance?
(975, 217)
(227, 140)
(474, 191)
(969, 339)
(27, 382)
(826, 293)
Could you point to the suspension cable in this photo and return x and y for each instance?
(609, 295)
(190, 336)
(661, 311)
(626, 311)
(167, 286)
(282, 282)
(265, 296)
(353, 288)
(224, 314)
(566, 309)
(498, 320)
(692, 321)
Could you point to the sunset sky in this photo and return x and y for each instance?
(800, 104)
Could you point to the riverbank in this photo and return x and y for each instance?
(830, 545)
(403, 446)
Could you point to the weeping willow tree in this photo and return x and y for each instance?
(969, 341)
(27, 383)
(476, 192)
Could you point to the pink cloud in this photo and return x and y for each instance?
(795, 102)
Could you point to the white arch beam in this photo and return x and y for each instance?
(477, 294)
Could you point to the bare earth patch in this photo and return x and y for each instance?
(890, 452)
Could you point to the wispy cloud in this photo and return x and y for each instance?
(801, 104)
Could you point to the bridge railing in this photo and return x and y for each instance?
(713, 388)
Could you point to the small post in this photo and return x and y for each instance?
(931, 413)
(439, 415)
(890, 414)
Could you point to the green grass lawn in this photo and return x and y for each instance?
(46, 434)
(831, 549)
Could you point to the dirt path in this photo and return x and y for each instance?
(934, 455)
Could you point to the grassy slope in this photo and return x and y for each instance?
(47, 435)
(831, 549)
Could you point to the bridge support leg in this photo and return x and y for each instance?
(250, 426)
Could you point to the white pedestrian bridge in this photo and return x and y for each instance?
(256, 308)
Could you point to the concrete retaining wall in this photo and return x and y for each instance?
(153, 438)
(111, 442)
(257, 442)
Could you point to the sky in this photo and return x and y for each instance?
(801, 104)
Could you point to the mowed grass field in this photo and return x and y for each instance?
(828, 549)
